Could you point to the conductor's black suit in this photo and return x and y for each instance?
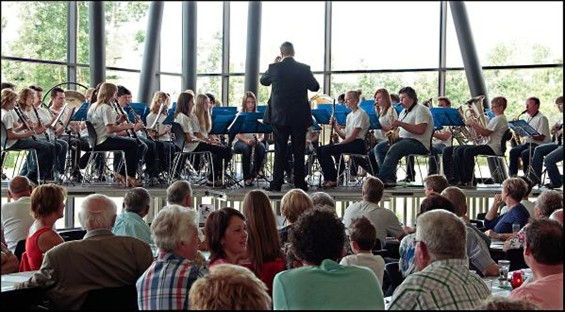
(289, 114)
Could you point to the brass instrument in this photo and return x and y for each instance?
(428, 103)
(516, 139)
(392, 136)
(474, 110)
(557, 134)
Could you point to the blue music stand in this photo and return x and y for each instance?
(224, 110)
(221, 123)
(399, 108)
(369, 107)
(446, 116)
(315, 125)
(522, 128)
(170, 117)
(321, 116)
(80, 113)
(261, 108)
(251, 124)
(341, 112)
(141, 109)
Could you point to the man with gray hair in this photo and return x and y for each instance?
(16, 215)
(180, 193)
(100, 260)
(384, 220)
(137, 202)
(443, 280)
(557, 215)
(166, 283)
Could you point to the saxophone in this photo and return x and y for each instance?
(516, 139)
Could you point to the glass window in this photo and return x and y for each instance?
(304, 16)
(171, 85)
(209, 84)
(35, 29)
(236, 86)
(238, 36)
(127, 79)
(171, 38)
(24, 74)
(532, 34)
(209, 28)
(384, 35)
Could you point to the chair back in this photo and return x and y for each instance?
(92, 136)
(179, 140)
(122, 298)
(72, 234)
(507, 136)
(395, 277)
(20, 248)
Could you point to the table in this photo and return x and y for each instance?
(9, 281)
(24, 298)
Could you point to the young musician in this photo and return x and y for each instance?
(250, 143)
(356, 127)
(109, 133)
(161, 132)
(18, 136)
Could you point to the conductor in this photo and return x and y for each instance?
(289, 112)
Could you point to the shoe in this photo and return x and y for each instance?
(550, 186)
(120, 179)
(133, 182)
(329, 184)
(218, 183)
(406, 180)
(466, 185)
(249, 182)
(390, 184)
(272, 189)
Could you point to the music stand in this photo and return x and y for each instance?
(523, 129)
(80, 113)
(341, 112)
(369, 107)
(170, 117)
(224, 110)
(321, 115)
(446, 116)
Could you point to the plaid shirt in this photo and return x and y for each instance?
(442, 285)
(165, 284)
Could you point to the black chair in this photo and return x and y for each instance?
(72, 234)
(20, 248)
(114, 298)
(497, 163)
(179, 157)
(516, 257)
(394, 276)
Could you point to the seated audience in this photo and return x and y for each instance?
(477, 242)
(513, 190)
(407, 247)
(494, 303)
(444, 281)
(16, 214)
(180, 193)
(226, 235)
(47, 206)
(543, 253)
(229, 287)
(557, 215)
(362, 238)
(263, 245)
(165, 284)
(318, 240)
(525, 200)
(10, 262)
(103, 259)
(435, 183)
(384, 220)
(293, 204)
(322, 199)
(130, 222)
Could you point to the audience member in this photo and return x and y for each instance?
(10, 262)
(137, 202)
(16, 214)
(47, 206)
(165, 284)
(525, 200)
(100, 260)
(477, 242)
(322, 199)
(362, 238)
(318, 240)
(444, 281)
(384, 220)
(293, 204)
(263, 244)
(494, 303)
(543, 253)
(435, 183)
(407, 247)
(513, 190)
(226, 235)
(557, 215)
(229, 287)
(180, 193)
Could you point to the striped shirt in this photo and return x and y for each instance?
(442, 285)
(166, 283)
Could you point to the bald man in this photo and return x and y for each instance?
(16, 215)
(557, 215)
(103, 259)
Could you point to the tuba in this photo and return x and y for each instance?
(472, 110)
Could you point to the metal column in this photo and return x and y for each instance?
(189, 45)
(96, 29)
(253, 46)
(72, 43)
(150, 54)
(328, 48)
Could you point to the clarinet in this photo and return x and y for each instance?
(253, 154)
(39, 122)
(120, 111)
(24, 119)
(137, 117)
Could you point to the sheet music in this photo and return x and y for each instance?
(158, 115)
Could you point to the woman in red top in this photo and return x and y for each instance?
(226, 236)
(263, 247)
(47, 206)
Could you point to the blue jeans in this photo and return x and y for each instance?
(520, 151)
(327, 153)
(61, 148)
(242, 148)
(388, 157)
(540, 152)
(550, 162)
(45, 152)
(464, 160)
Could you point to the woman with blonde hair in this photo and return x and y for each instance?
(158, 112)
(47, 206)
(109, 134)
(386, 113)
(263, 244)
(248, 144)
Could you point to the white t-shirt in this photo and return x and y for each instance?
(541, 124)
(385, 120)
(8, 119)
(187, 124)
(357, 119)
(417, 115)
(499, 125)
(45, 118)
(151, 119)
(374, 262)
(101, 115)
(16, 220)
(445, 142)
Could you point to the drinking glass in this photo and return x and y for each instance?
(503, 268)
(515, 228)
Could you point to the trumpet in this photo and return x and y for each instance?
(24, 119)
